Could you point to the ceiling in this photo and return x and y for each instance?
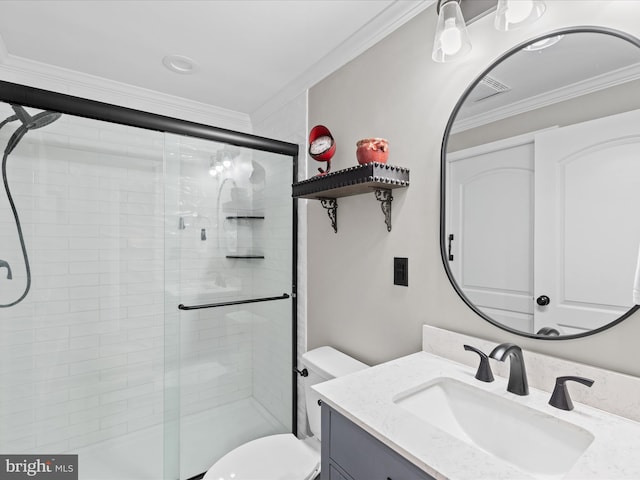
(246, 52)
(579, 63)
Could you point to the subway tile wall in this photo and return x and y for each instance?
(81, 358)
(272, 329)
(289, 123)
(219, 348)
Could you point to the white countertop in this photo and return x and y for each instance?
(366, 398)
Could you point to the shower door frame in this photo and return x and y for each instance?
(82, 107)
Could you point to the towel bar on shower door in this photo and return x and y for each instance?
(237, 302)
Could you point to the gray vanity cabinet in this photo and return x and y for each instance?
(350, 453)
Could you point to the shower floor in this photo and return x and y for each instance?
(205, 437)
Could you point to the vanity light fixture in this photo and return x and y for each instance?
(215, 167)
(223, 160)
(452, 40)
(227, 156)
(512, 14)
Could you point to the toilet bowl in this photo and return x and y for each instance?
(283, 456)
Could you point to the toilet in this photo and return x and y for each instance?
(283, 456)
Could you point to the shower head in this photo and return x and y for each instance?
(29, 122)
(38, 120)
(12, 118)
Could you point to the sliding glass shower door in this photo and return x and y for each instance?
(228, 285)
(81, 322)
(147, 292)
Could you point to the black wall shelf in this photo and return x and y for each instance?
(244, 217)
(246, 257)
(371, 177)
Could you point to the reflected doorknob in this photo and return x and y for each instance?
(543, 300)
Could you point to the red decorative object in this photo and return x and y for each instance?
(322, 146)
(372, 150)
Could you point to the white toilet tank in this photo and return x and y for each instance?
(324, 363)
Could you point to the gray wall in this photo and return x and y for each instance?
(394, 90)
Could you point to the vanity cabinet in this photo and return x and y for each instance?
(350, 453)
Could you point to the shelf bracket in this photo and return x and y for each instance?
(331, 205)
(385, 198)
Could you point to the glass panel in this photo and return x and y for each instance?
(119, 226)
(81, 357)
(171, 434)
(234, 228)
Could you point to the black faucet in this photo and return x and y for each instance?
(560, 397)
(517, 373)
(5, 264)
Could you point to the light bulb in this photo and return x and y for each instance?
(512, 14)
(226, 163)
(451, 38)
(213, 172)
(518, 10)
(219, 167)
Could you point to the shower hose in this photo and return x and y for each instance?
(16, 217)
(20, 235)
(28, 122)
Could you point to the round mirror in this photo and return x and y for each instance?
(540, 203)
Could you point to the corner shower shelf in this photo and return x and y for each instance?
(371, 177)
(245, 219)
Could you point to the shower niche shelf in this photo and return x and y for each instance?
(245, 223)
(377, 178)
(245, 217)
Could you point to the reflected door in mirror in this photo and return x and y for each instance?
(587, 221)
(490, 197)
(573, 238)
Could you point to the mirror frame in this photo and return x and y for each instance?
(443, 180)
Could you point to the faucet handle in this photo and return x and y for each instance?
(484, 369)
(560, 397)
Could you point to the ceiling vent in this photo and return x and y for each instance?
(488, 87)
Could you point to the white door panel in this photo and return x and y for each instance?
(587, 221)
(489, 204)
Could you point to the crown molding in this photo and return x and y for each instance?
(393, 17)
(584, 87)
(41, 75)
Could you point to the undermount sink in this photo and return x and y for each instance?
(533, 441)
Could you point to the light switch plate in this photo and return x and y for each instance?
(401, 271)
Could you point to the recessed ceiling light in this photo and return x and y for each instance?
(179, 64)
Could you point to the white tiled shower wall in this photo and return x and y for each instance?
(234, 353)
(82, 355)
(289, 123)
(272, 334)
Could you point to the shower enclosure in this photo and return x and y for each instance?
(147, 287)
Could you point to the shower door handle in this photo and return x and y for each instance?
(237, 302)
